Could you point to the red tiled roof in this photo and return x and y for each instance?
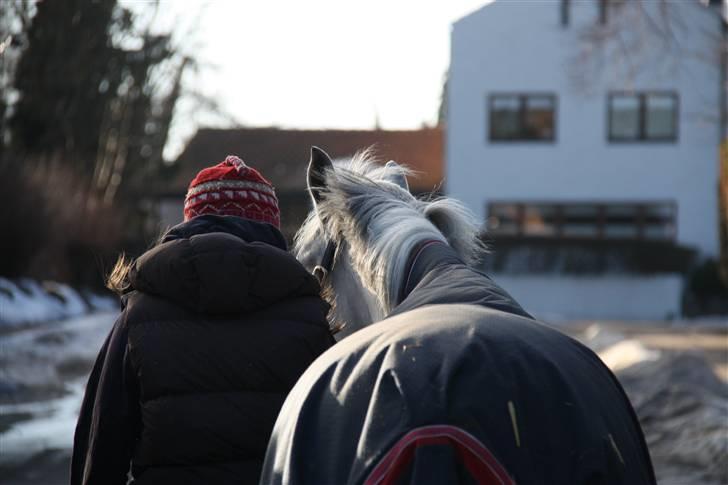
(282, 155)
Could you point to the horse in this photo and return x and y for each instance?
(441, 376)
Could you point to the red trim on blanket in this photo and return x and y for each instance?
(478, 460)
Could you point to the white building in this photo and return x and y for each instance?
(592, 126)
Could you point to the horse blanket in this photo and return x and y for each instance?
(459, 385)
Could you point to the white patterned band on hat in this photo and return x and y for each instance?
(220, 185)
(230, 194)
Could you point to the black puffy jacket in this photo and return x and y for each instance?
(221, 323)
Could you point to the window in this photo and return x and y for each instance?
(583, 220)
(519, 117)
(642, 117)
(539, 220)
(579, 220)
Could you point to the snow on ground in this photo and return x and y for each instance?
(27, 301)
(41, 359)
(49, 337)
(627, 353)
(43, 371)
(51, 426)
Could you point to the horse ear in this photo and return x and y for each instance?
(397, 177)
(318, 165)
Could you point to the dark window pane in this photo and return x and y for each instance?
(539, 220)
(659, 211)
(661, 116)
(505, 125)
(503, 218)
(580, 220)
(539, 122)
(505, 117)
(501, 226)
(620, 220)
(624, 117)
(572, 229)
(522, 117)
(621, 213)
(659, 220)
(620, 229)
(659, 231)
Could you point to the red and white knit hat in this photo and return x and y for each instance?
(232, 188)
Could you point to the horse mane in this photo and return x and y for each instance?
(380, 222)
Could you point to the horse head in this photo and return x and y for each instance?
(364, 213)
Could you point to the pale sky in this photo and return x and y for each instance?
(315, 63)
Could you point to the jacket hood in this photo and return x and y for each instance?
(245, 229)
(221, 265)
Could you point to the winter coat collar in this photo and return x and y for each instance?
(222, 265)
(245, 229)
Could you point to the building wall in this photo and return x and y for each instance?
(558, 298)
(522, 47)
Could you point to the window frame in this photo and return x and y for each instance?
(522, 102)
(565, 12)
(642, 117)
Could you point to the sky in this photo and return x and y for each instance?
(313, 63)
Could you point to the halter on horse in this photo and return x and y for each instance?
(457, 384)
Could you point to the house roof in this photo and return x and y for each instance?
(282, 155)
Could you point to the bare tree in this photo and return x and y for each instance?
(15, 18)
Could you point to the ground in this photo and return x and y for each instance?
(674, 372)
(675, 376)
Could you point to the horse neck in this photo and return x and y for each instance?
(355, 305)
(387, 261)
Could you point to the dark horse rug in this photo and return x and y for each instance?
(457, 389)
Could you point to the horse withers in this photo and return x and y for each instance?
(453, 382)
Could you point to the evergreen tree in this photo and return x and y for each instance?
(89, 100)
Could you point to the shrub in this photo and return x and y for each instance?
(25, 220)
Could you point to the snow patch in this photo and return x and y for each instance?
(27, 301)
(626, 354)
(53, 426)
(43, 373)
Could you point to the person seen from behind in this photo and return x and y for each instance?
(218, 322)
